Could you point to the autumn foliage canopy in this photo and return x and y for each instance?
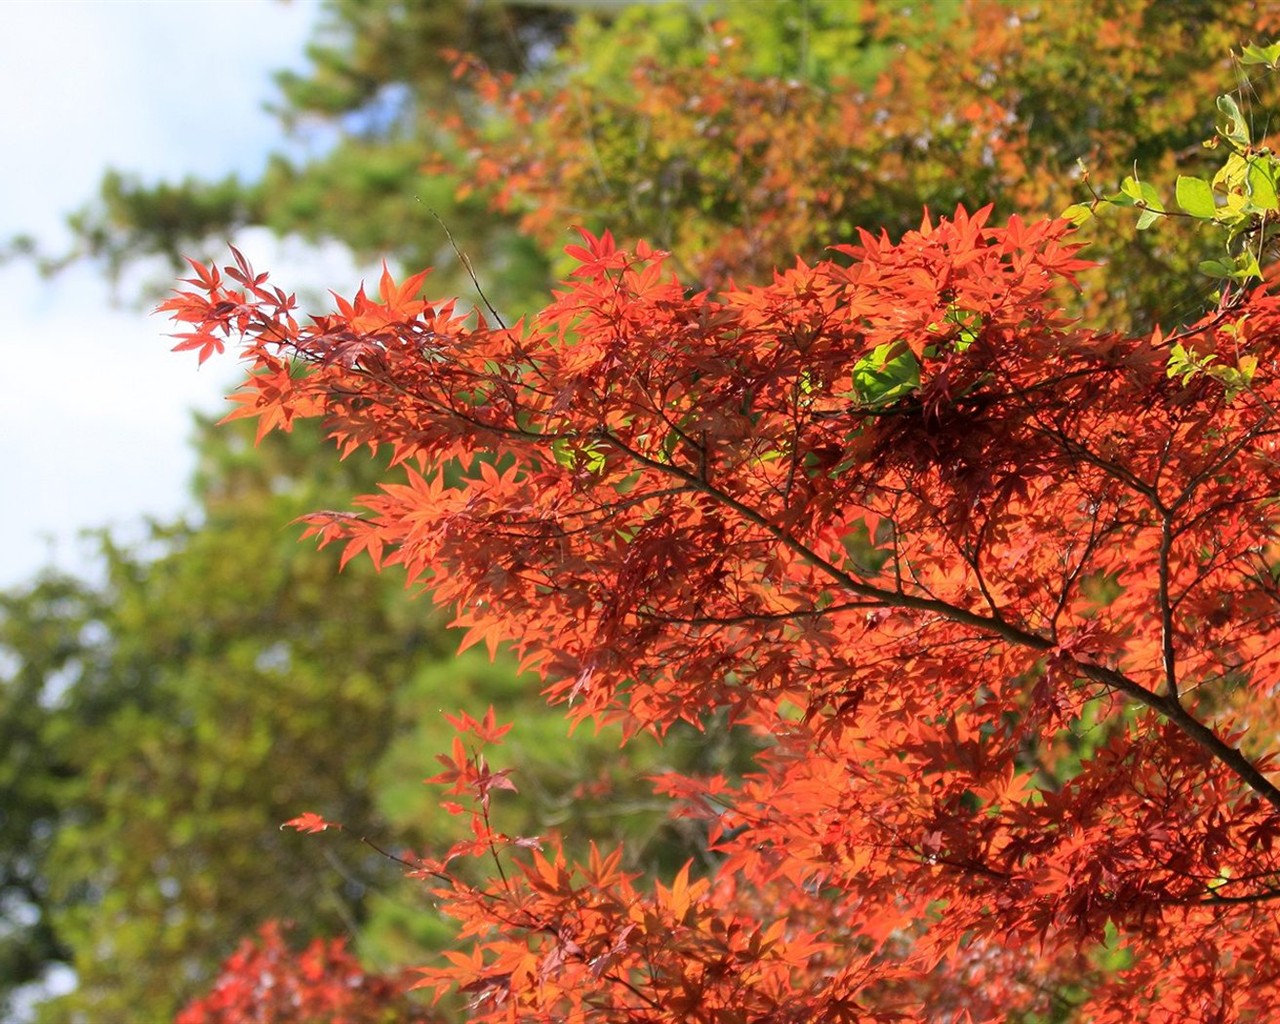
(997, 594)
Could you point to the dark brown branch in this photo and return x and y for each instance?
(1167, 652)
(1226, 901)
(734, 620)
(1166, 705)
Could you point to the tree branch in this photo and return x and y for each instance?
(1166, 705)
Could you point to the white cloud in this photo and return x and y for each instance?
(162, 89)
(94, 413)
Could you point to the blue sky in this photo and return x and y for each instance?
(95, 414)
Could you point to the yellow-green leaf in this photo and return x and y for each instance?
(1195, 196)
(1077, 213)
(1232, 127)
(1261, 182)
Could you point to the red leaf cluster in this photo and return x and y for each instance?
(266, 982)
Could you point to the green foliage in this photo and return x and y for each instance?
(826, 43)
(224, 678)
(221, 678)
(1266, 55)
(40, 638)
(131, 219)
(1238, 204)
(1186, 364)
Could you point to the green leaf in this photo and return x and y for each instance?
(562, 453)
(968, 320)
(1184, 364)
(1231, 175)
(1195, 196)
(1232, 127)
(890, 372)
(1242, 267)
(1268, 55)
(970, 323)
(1132, 188)
(1217, 268)
(1138, 193)
(594, 459)
(1247, 267)
(1178, 362)
(1231, 379)
(1148, 218)
(1078, 213)
(1261, 182)
(1234, 213)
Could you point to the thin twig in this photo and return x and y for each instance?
(465, 260)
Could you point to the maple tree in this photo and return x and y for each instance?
(1100, 79)
(998, 591)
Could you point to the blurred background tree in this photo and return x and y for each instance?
(221, 680)
(220, 677)
(736, 135)
(739, 136)
(159, 724)
(357, 129)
